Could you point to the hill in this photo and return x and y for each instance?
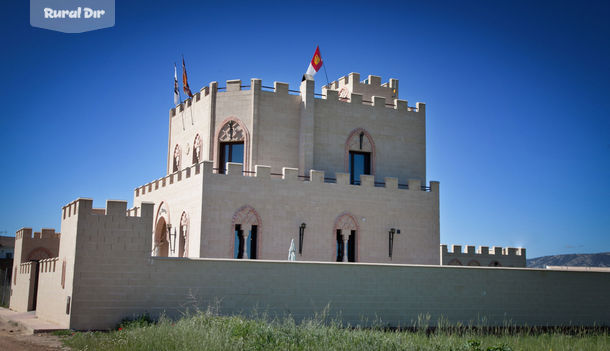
(578, 260)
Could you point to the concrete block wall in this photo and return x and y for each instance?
(177, 193)
(53, 300)
(301, 131)
(93, 246)
(40, 245)
(283, 204)
(398, 134)
(483, 256)
(369, 87)
(112, 276)
(360, 294)
(22, 287)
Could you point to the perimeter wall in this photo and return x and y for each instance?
(115, 277)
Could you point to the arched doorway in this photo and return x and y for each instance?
(34, 256)
(161, 238)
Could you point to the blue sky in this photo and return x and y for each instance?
(517, 93)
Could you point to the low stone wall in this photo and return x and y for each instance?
(111, 275)
(22, 287)
(359, 293)
(52, 303)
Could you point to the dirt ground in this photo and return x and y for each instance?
(15, 338)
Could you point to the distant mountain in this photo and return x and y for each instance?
(577, 260)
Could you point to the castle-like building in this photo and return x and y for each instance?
(249, 169)
(335, 174)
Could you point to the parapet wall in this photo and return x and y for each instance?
(368, 89)
(40, 245)
(168, 180)
(483, 256)
(288, 174)
(393, 295)
(22, 286)
(115, 277)
(371, 92)
(91, 239)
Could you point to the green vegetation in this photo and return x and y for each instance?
(208, 331)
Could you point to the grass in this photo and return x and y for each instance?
(208, 331)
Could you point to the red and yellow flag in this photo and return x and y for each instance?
(316, 63)
(185, 83)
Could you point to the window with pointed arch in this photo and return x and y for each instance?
(197, 150)
(359, 155)
(231, 144)
(177, 158)
(184, 236)
(346, 229)
(246, 226)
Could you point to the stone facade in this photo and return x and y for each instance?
(307, 142)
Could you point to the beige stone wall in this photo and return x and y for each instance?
(43, 244)
(52, 296)
(283, 204)
(115, 277)
(277, 131)
(22, 287)
(301, 131)
(178, 193)
(40, 245)
(368, 88)
(483, 256)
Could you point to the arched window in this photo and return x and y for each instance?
(197, 150)
(184, 236)
(177, 158)
(232, 143)
(495, 264)
(359, 154)
(345, 233)
(39, 253)
(455, 262)
(247, 227)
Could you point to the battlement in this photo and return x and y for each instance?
(370, 92)
(353, 79)
(288, 174)
(26, 267)
(497, 256)
(44, 233)
(170, 179)
(113, 208)
(48, 265)
(484, 250)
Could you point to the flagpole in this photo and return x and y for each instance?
(179, 95)
(324, 65)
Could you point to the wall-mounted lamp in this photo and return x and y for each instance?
(301, 233)
(172, 238)
(391, 238)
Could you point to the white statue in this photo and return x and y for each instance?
(292, 252)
